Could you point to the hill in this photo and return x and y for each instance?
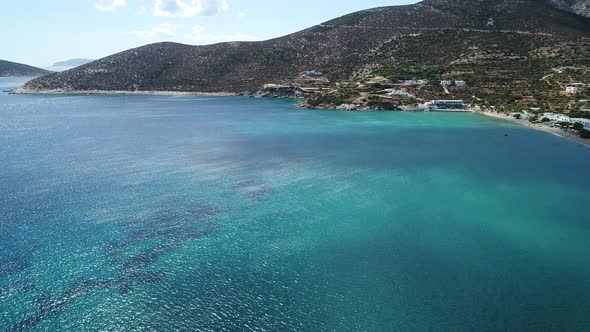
(500, 47)
(13, 69)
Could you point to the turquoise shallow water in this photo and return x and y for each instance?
(162, 213)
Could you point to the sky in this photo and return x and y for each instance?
(42, 32)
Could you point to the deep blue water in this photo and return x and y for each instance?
(163, 213)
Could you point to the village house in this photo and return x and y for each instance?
(571, 90)
(446, 83)
(399, 94)
(413, 82)
(313, 73)
(460, 83)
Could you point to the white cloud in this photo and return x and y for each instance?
(240, 14)
(109, 5)
(199, 35)
(142, 10)
(162, 31)
(189, 8)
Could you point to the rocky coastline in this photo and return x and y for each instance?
(360, 107)
(24, 90)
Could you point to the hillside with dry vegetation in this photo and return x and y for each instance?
(508, 53)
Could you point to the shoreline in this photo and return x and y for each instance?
(21, 91)
(500, 116)
(536, 126)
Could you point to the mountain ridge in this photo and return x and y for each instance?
(432, 32)
(15, 69)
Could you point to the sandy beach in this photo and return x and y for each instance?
(555, 131)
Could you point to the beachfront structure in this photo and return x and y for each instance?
(446, 104)
(522, 116)
(582, 121)
(399, 94)
(460, 83)
(557, 117)
(564, 118)
(571, 90)
(446, 83)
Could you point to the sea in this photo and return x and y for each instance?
(192, 213)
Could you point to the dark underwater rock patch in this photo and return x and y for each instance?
(169, 228)
(26, 324)
(13, 264)
(15, 289)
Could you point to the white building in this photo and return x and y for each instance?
(564, 118)
(446, 83)
(313, 73)
(447, 103)
(584, 122)
(460, 83)
(413, 82)
(557, 117)
(399, 94)
(571, 90)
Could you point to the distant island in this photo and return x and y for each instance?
(14, 69)
(68, 64)
(72, 63)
